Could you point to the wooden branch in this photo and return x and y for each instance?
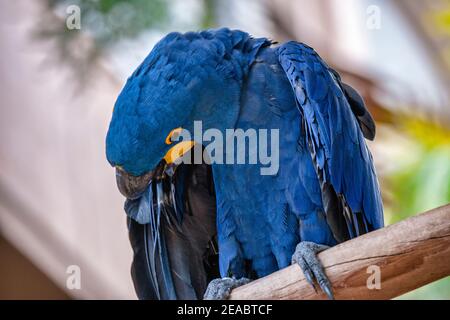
(410, 254)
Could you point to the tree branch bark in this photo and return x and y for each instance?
(409, 254)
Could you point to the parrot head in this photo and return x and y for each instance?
(176, 84)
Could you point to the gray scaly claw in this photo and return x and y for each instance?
(305, 256)
(220, 289)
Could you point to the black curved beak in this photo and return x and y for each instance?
(132, 187)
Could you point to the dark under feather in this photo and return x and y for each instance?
(174, 253)
(365, 120)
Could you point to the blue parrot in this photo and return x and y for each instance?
(227, 224)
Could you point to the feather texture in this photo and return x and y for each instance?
(341, 158)
(324, 190)
(174, 255)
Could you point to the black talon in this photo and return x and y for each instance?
(306, 271)
(327, 289)
(305, 256)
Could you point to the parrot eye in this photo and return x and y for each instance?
(174, 134)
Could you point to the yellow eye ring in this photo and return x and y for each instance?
(178, 150)
(174, 133)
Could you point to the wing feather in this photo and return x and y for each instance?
(331, 114)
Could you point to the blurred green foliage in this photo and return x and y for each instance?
(423, 184)
(103, 24)
(441, 19)
(109, 20)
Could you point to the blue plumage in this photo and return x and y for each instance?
(168, 90)
(325, 190)
(341, 154)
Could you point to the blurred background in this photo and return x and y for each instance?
(60, 211)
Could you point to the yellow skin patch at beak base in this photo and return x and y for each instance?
(178, 150)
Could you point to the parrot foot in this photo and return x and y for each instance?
(305, 256)
(220, 289)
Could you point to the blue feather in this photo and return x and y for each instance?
(333, 131)
(325, 190)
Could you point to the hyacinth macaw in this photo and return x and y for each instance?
(227, 224)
